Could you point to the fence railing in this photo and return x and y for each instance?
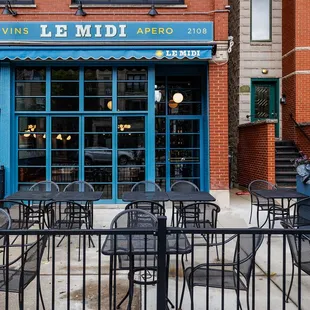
(222, 269)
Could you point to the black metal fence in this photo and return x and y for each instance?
(212, 269)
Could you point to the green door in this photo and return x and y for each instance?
(264, 100)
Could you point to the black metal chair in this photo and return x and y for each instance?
(145, 265)
(146, 186)
(66, 215)
(300, 252)
(200, 215)
(22, 216)
(211, 274)
(182, 187)
(5, 223)
(260, 203)
(83, 187)
(298, 214)
(150, 206)
(16, 275)
(38, 206)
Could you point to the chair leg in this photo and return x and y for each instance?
(172, 218)
(21, 300)
(247, 299)
(251, 214)
(291, 284)
(238, 301)
(123, 299)
(257, 216)
(41, 297)
(183, 286)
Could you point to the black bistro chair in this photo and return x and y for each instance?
(38, 206)
(150, 206)
(145, 266)
(83, 187)
(300, 253)
(66, 215)
(146, 186)
(182, 187)
(200, 215)
(17, 274)
(262, 204)
(236, 276)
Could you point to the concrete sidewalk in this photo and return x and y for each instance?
(234, 216)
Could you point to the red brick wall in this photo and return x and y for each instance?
(218, 126)
(256, 153)
(302, 142)
(196, 10)
(296, 78)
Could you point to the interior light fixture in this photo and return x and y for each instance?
(152, 11)
(80, 11)
(172, 104)
(68, 138)
(59, 137)
(177, 98)
(8, 9)
(26, 135)
(109, 105)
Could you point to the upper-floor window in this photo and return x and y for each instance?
(130, 1)
(261, 20)
(17, 1)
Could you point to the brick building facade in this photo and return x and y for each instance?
(104, 72)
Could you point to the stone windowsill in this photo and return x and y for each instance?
(27, 6)
(261, 122)
(304, 124)
(125, 6)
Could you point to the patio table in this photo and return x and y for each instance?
(135, 244)
(79, 197)
(190, 197)
(32, 196)
(153, 196)
(283, 194)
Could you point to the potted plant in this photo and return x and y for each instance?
(302, 165)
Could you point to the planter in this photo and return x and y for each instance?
(302, 187)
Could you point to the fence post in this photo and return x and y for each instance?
(162, 275)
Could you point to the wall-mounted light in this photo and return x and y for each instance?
(109, 105)
(8, 9)
(152, 11)
(80, 11)
(283, 99)
(265, 71)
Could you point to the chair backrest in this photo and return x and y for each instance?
(184, 187)
(65, 215)
(146, 186)
(301, 218)
(261, 184)
(150, 206)
(134, 218)
(79, 186)
(45, 186)
(18, 212)
(32, 259)
(246, 248)
(5, 219)
(298, 248)
(200, 215)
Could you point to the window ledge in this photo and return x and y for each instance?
(157, 6)
(21, 6)
(262, 43)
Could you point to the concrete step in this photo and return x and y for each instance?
(286, 173)
(285, 142)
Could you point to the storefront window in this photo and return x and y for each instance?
(93, 124)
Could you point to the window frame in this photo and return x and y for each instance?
(129, 2)
(15, 3)
(270, 23)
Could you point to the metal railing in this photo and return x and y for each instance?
(300, 128)
(100, 281)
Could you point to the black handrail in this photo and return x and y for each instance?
(300, 128)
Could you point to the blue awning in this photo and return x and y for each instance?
(104, 52)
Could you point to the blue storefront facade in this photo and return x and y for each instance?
(108, 103)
